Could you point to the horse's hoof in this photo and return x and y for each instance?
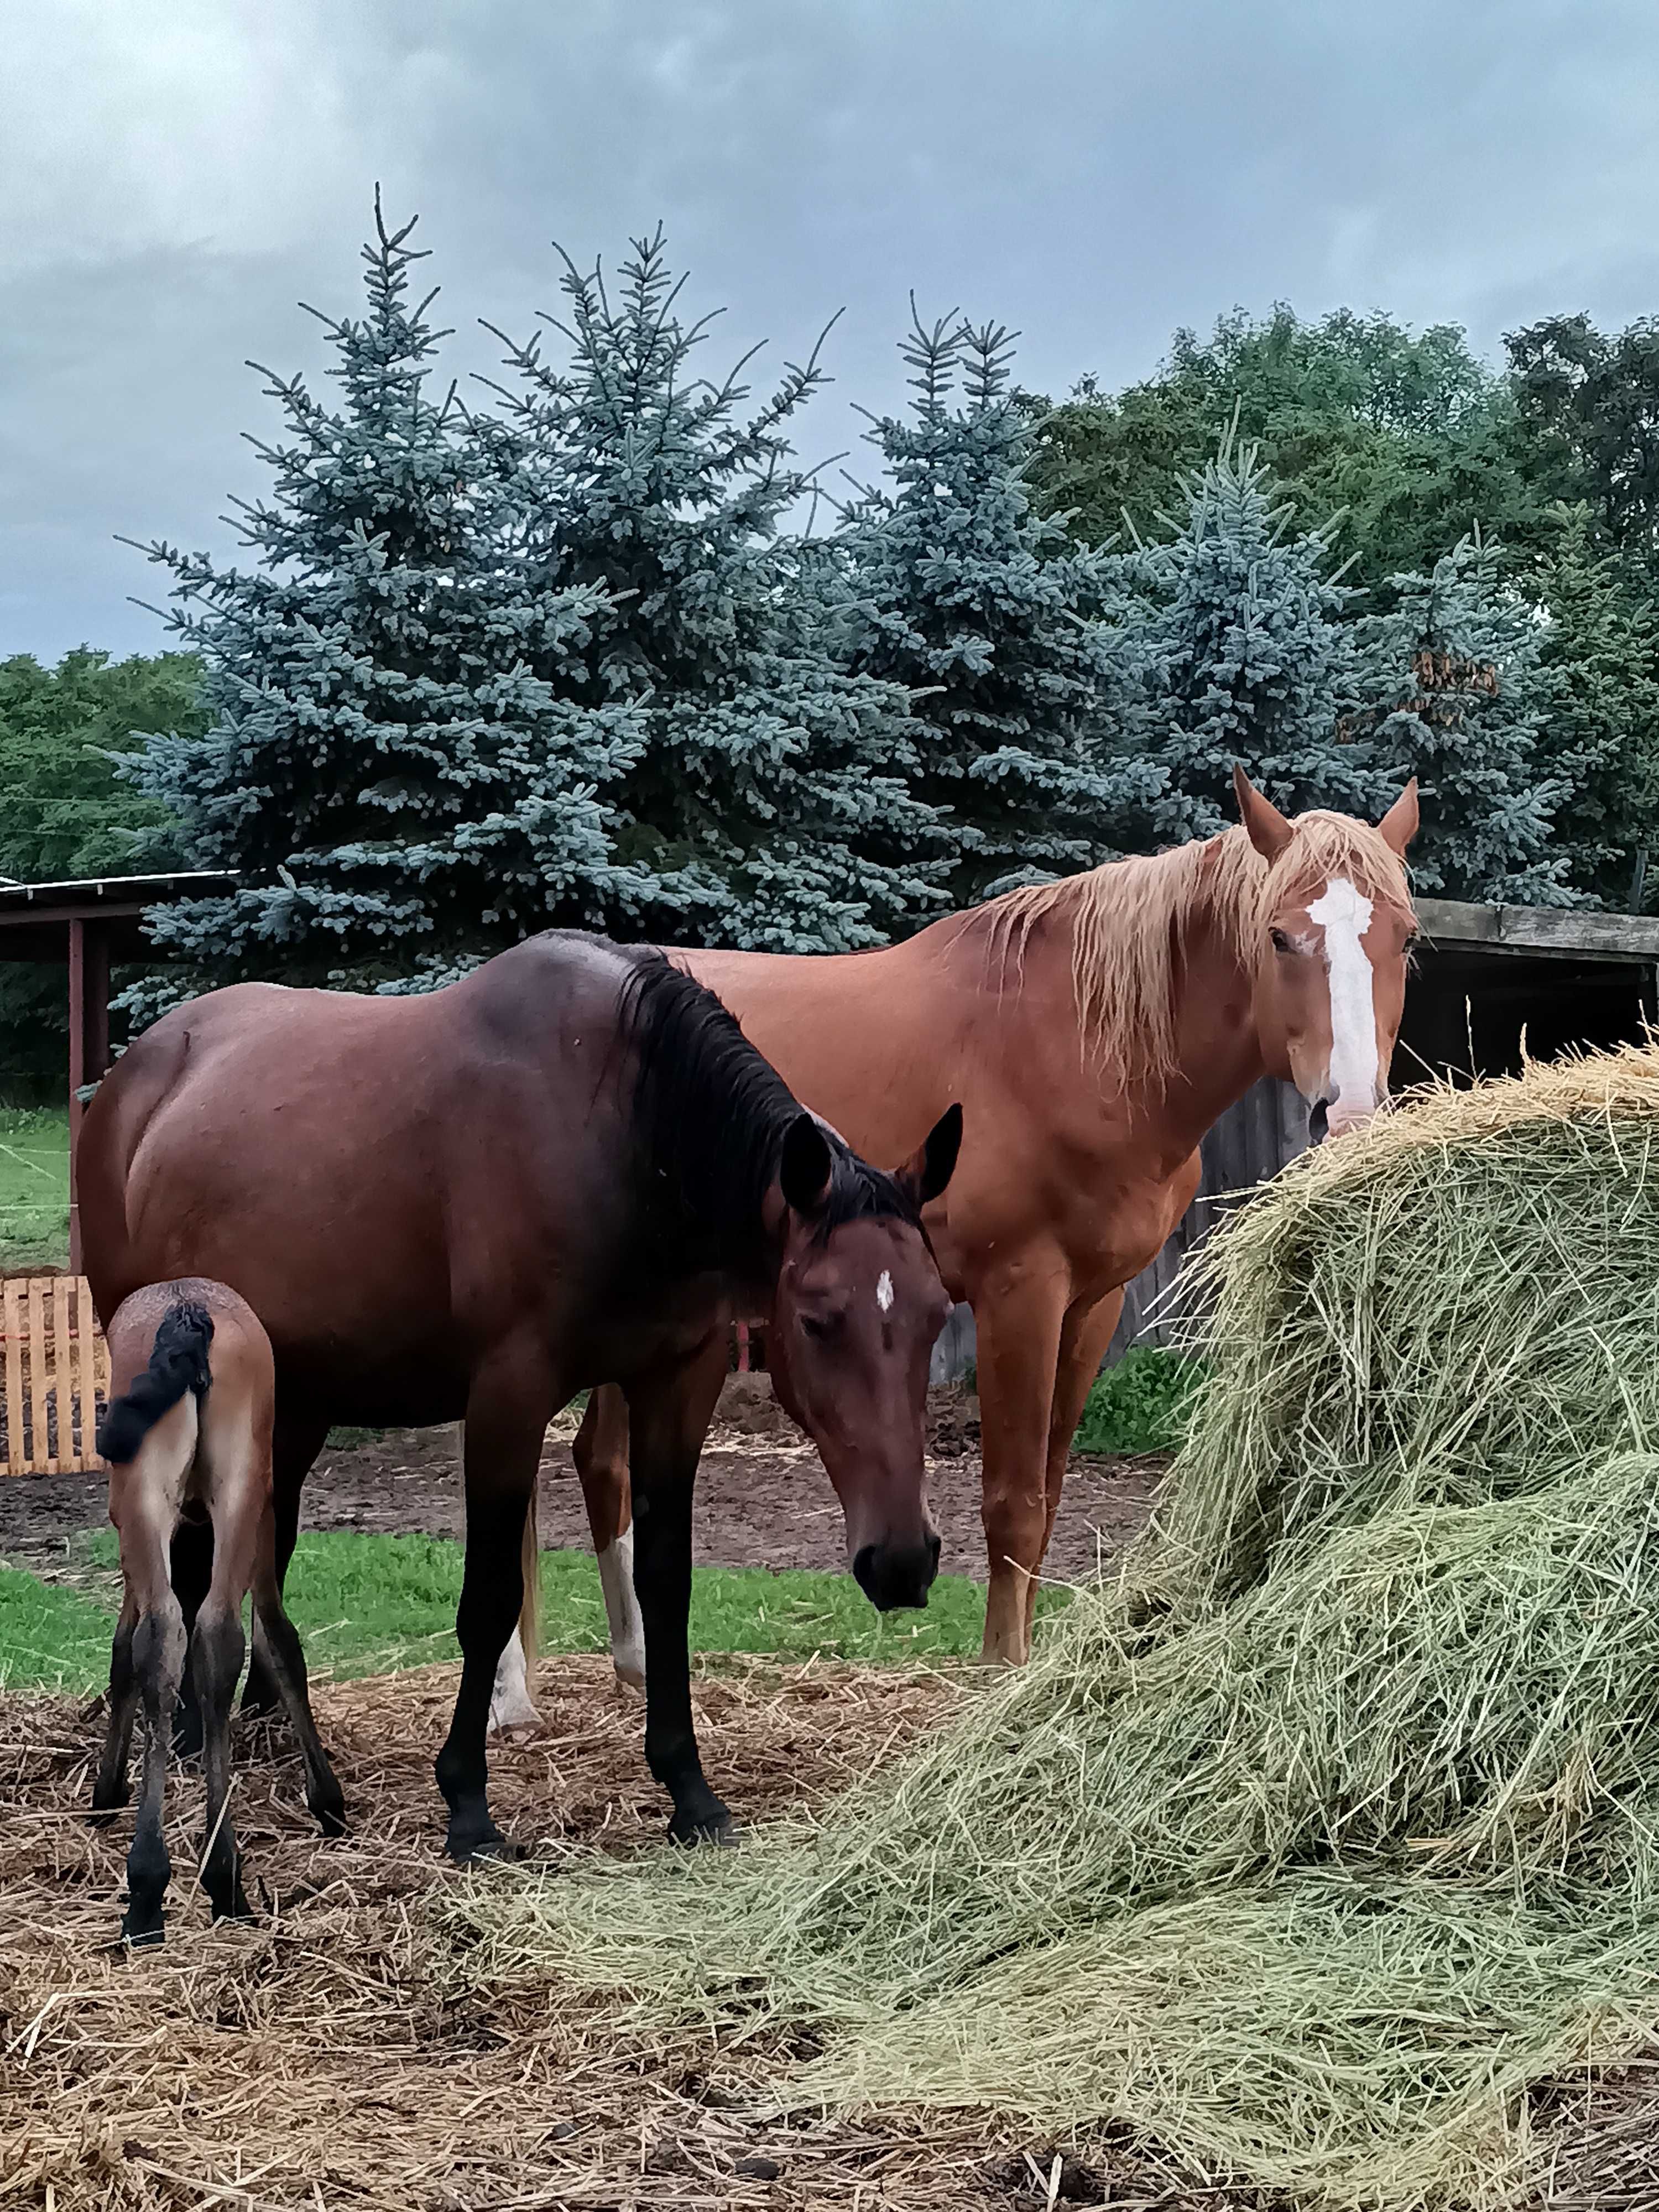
(330, 1817)
(106, 1805)
(142, 1935)
(238, 1909)
(712, 1825)
(490, 1847)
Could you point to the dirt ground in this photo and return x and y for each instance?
(763, 1497)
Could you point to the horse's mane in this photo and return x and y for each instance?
(1131, 921)
(711, 1115)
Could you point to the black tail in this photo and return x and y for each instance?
(177, 1363)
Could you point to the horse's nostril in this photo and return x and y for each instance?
(1319, 1120)
(890, 1576)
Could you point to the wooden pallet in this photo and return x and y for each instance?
(54, 1368)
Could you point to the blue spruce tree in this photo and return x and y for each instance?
(767, 807)
(1000, 628)
(404, 758)
(1247, 656)
(1599, 738)
(1459, 698)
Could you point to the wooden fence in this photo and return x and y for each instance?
(54, 1370)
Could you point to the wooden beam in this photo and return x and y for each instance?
(1538, 931)
(89, 1052)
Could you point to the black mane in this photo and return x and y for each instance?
(711, 1116)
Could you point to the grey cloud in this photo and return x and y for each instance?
(1091, 173)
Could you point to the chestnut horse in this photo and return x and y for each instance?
(1094, 1028)
(568, 1169)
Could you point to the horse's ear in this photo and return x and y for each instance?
(807, 1166)
(1265, 826)
(1399, 825)
(925, 1175)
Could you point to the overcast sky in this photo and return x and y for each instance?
(176, 174)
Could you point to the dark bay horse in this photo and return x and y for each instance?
(1093, 1030)
(568, 1169)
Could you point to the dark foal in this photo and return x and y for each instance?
(187, 1434)
(571, 1168)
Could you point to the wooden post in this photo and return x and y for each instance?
(88, 1054)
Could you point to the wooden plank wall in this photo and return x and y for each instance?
(54, 1368)
(1251, 1142)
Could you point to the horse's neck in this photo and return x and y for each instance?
(1218, 1055)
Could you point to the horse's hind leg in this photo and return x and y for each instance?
(1087, 1333)
(216, 1652)
(190, 1574)
(146, 1504)
(111, 1789)
(158, 1660)
(600, 1452)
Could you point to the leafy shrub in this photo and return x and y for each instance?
(1143, 1404)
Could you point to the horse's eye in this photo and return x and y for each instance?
(1281, 941)
(821, 1326)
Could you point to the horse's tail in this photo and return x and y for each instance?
(530, 1614)
(177, 1363)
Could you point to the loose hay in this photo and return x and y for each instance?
(1331, 1827)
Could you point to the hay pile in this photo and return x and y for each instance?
(1334, 1824)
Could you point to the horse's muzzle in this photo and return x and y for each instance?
(897, 1574)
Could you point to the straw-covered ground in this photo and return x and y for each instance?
(314, 2059)
(1319, 1840)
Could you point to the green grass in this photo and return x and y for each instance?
(33, 1188)
(49, 1637)
(369, 1604)
(1144, 1404)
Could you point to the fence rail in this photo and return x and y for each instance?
(54, 1371)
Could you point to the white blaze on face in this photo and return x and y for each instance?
(1344, 914)
(884, 1292)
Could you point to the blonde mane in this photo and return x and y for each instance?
(1131, 921)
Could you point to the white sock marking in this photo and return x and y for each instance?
(1346, 914)
(510, 1703)
(884, 1292)
(622, 1609)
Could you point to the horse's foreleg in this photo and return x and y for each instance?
(601, 1456)
(1017, 1320)
(1087, 1331)
(507, 1412)
(669, 1418)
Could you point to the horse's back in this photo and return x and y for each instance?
(379, 1177)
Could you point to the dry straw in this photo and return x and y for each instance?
(1331, 1825)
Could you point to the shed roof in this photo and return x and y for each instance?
(1540, 932)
